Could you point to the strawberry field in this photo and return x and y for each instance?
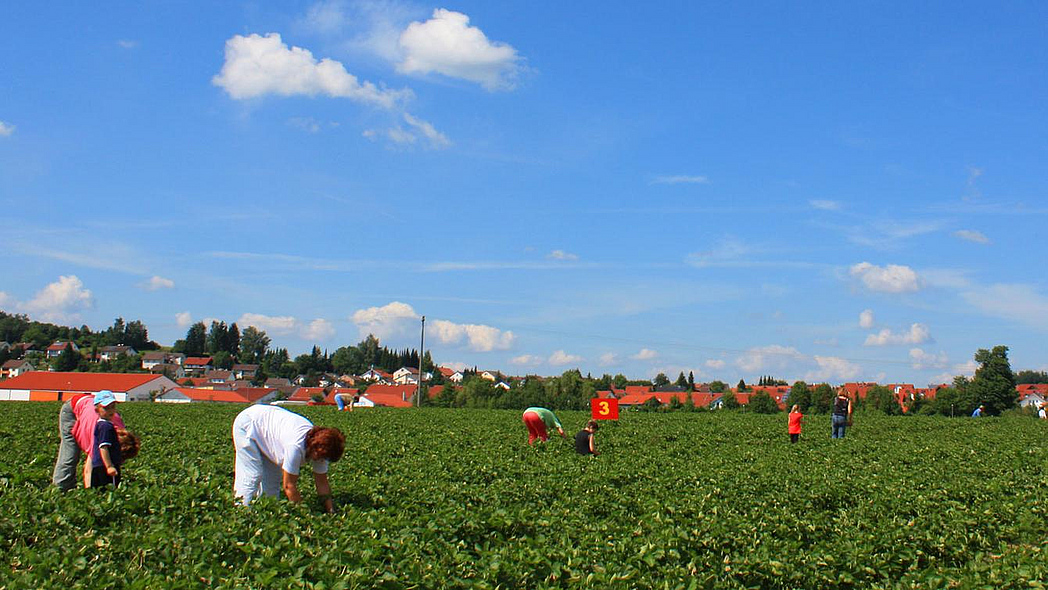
(455, 498)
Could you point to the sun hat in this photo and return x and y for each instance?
(104, 398)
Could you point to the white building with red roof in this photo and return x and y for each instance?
(186, 395)
(14, 368)
(58, 386)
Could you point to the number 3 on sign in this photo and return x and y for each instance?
(604, 409)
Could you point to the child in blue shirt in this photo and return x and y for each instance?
(112, 445)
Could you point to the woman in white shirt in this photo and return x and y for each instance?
(271, 445)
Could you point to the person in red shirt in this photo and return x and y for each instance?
(794, 427)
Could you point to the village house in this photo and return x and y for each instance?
(245, 371)
(109, 353)
(374, 375)
(1032, 395)
(450, 374)
(197, 365)
(173, 371)
(59, 347)
(14, 368)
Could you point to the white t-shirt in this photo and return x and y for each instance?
(1041, 414)
(281, 436)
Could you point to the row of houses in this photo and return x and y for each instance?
(59, 386)
(637, 395)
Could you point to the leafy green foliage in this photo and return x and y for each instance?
(432, 498)
(762, 403)
(994, 383)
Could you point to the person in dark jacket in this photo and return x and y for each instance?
(584, 444)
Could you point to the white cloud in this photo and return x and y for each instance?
(6, 301)
(681, 179)
(256, 66)
(866, 319)
(562, 255)
(825, 205)
(920, 359)
(384, 322)
(560, 358)
(715, 363)
(60, 301)
(447, 45)
(127, 43)
(1017, 302)
(327, 18)
(526, 360)
(436, 139)
(479, 337)
(972, 236)
(183, 319)
(893, 278)
(831, 368)
(417, 131)
(967, 369)
(774, 357)
(917, 334)
(645, 354)
(273, 324)
(319, 330)
(398, 318)
(156, 283)
(6, 129)
(608, 358)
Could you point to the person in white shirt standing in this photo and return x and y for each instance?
(1041, 413)
(271, 445)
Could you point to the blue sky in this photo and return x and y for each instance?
(826, 193)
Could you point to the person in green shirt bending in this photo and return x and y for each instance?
(538, 420)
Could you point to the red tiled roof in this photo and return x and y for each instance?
(394, 396)
(212, 395)
(56, 381)
(434, 391)
(253, 394)
(446, 371)
(59, 346)
(305, 394)
(197, 360)
(13, 363)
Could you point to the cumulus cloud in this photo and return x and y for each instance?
(60, 301)
(184, 319)
(608, 359)
(526, 360)
(560, 358)
(319, 330)
(774, 357)
(681, 179)
(715, 363)
(920, 359)
(256, 66)
(972, 236)
(866, 319)
(272, 324)
(645, 354)
(966, 369)
(6, 129)
(6, 301)
(562, 255)
(157, 283)
(917, 334)
(446, 44)
(831, 368)
(386, 321)
(825, 205)
(397, 318)
(892, 278)
(479, 337)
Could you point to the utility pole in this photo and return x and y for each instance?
(421, 372)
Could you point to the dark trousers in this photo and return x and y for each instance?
(100, 479)
(794, 438)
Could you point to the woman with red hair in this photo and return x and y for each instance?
(271, 444)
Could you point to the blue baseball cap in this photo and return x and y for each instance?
(104, 398)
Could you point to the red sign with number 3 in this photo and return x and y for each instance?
(605, 409)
